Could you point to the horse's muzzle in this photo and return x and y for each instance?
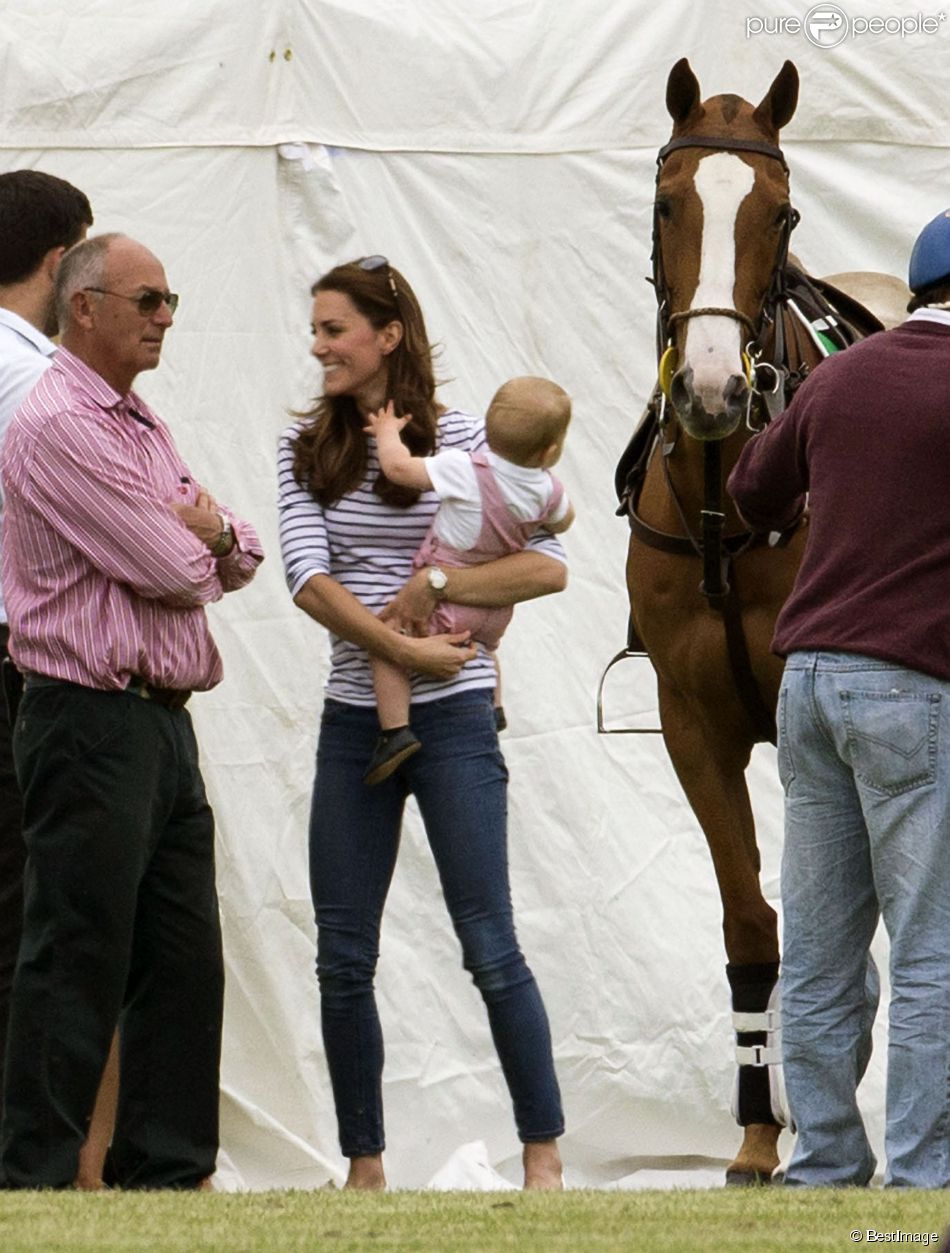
(708, 413)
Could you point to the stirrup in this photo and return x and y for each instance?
(637, 654)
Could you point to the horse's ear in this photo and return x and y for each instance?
(682, 91)
(778, 103)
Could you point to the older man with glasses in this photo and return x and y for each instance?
(111, 552)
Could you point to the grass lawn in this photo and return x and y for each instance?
(722, 1221)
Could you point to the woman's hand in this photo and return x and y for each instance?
(440, 656)
(412, 606)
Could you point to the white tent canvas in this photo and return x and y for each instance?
(501, 153)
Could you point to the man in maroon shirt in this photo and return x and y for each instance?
(111, 553)
(864, 734)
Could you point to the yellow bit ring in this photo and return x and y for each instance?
(668, 366)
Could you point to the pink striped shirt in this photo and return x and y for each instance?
(101, 579)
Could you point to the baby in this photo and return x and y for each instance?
(490, 505)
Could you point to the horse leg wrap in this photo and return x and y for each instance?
(759, 1093)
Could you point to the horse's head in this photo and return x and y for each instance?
(721, 226)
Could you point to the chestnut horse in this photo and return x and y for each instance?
(739, 327)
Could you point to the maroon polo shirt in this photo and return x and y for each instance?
(868, 438)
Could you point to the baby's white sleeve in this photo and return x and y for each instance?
(562, 508)
(452, 475)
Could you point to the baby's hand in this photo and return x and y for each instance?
(384, 420)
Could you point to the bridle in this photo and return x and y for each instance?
(772, 380)
(716, 552)
(757, 329)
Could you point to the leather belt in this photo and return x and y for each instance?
(168, 697)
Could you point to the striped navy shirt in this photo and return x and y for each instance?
(368, 547)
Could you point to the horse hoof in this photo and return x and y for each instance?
(747, 1179)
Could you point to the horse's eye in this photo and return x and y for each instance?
(663, 210)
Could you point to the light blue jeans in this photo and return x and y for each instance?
(864, 758)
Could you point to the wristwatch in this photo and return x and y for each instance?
(437, 581)
(225, 541)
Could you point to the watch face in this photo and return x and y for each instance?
(437, 579)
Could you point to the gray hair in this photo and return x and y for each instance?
(82, 266)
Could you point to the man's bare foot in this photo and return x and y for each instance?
(542, 1166)
(366, 1173)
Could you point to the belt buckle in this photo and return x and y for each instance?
(164, 697)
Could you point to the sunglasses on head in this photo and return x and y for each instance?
(148, 303)
(377, 262)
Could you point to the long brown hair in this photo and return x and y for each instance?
(330, 449)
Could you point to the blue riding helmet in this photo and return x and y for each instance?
(930, 260)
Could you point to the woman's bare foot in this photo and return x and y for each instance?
(92, 1155)
(366, 1173)
(89, 1183)
(542, 1166)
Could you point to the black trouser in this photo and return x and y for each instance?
(12, 853)
(120, 926)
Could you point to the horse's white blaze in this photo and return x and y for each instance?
(713, 344)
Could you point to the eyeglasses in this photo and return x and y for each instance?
(148, 303)
(376, 262)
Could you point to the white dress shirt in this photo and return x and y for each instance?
(25, 353)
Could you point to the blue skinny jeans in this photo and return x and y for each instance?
(460, 782)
